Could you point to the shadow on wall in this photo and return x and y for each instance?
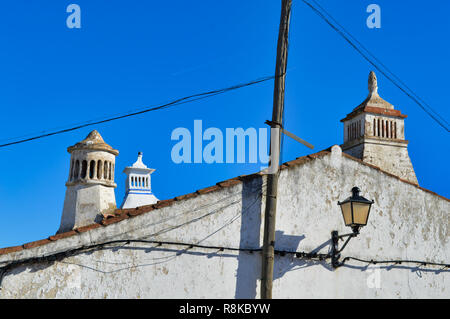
(284, 264)
(249, 265)
(287, 243)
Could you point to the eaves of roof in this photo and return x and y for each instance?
(122, 214)
(374, 110)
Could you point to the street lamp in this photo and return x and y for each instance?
(355, 211)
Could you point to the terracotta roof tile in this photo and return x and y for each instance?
(87, 228)
(374, 110)
(113, 220)
(121, 214)
(137, 212)
(36, 243)
(62, 235)
(7, 250)
(164, 203)
(229, 182)
(207, 190)
(119, 211)
(108, 215)
(140, 211)
(186, 196)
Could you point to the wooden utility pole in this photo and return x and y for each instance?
(272, 178)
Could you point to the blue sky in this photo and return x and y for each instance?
(133, 54)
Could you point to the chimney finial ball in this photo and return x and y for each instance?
(373, 83)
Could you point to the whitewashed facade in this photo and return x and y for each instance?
(406, 222)
(145, 252)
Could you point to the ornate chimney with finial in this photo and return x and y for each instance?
(90, 187)
(375, 133)
(138, 185)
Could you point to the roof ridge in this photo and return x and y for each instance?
(394, 176)
(122, 214)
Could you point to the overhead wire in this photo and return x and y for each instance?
(179, 101)
(396, 262)
(411, 95)
(238, 215)
(258, 190)
(377, 60)
(214, 211)
(297, 254)
(203, 95)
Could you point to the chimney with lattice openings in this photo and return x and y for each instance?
(138, 185)
(375, 133)
(90, 187)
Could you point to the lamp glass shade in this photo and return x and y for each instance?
(347, 213)
(355, 209)
(360, 213)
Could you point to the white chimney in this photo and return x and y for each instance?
(138, 185)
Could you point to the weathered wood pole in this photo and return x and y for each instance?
(272, 178)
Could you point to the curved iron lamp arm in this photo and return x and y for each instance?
(335, 251)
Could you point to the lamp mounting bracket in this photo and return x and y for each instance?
(335, 251)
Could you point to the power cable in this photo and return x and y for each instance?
(183, 100)
(258, 190)
(297, 254)
(184, 214)
(377, 60)
(412, 95)
(396, 262)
